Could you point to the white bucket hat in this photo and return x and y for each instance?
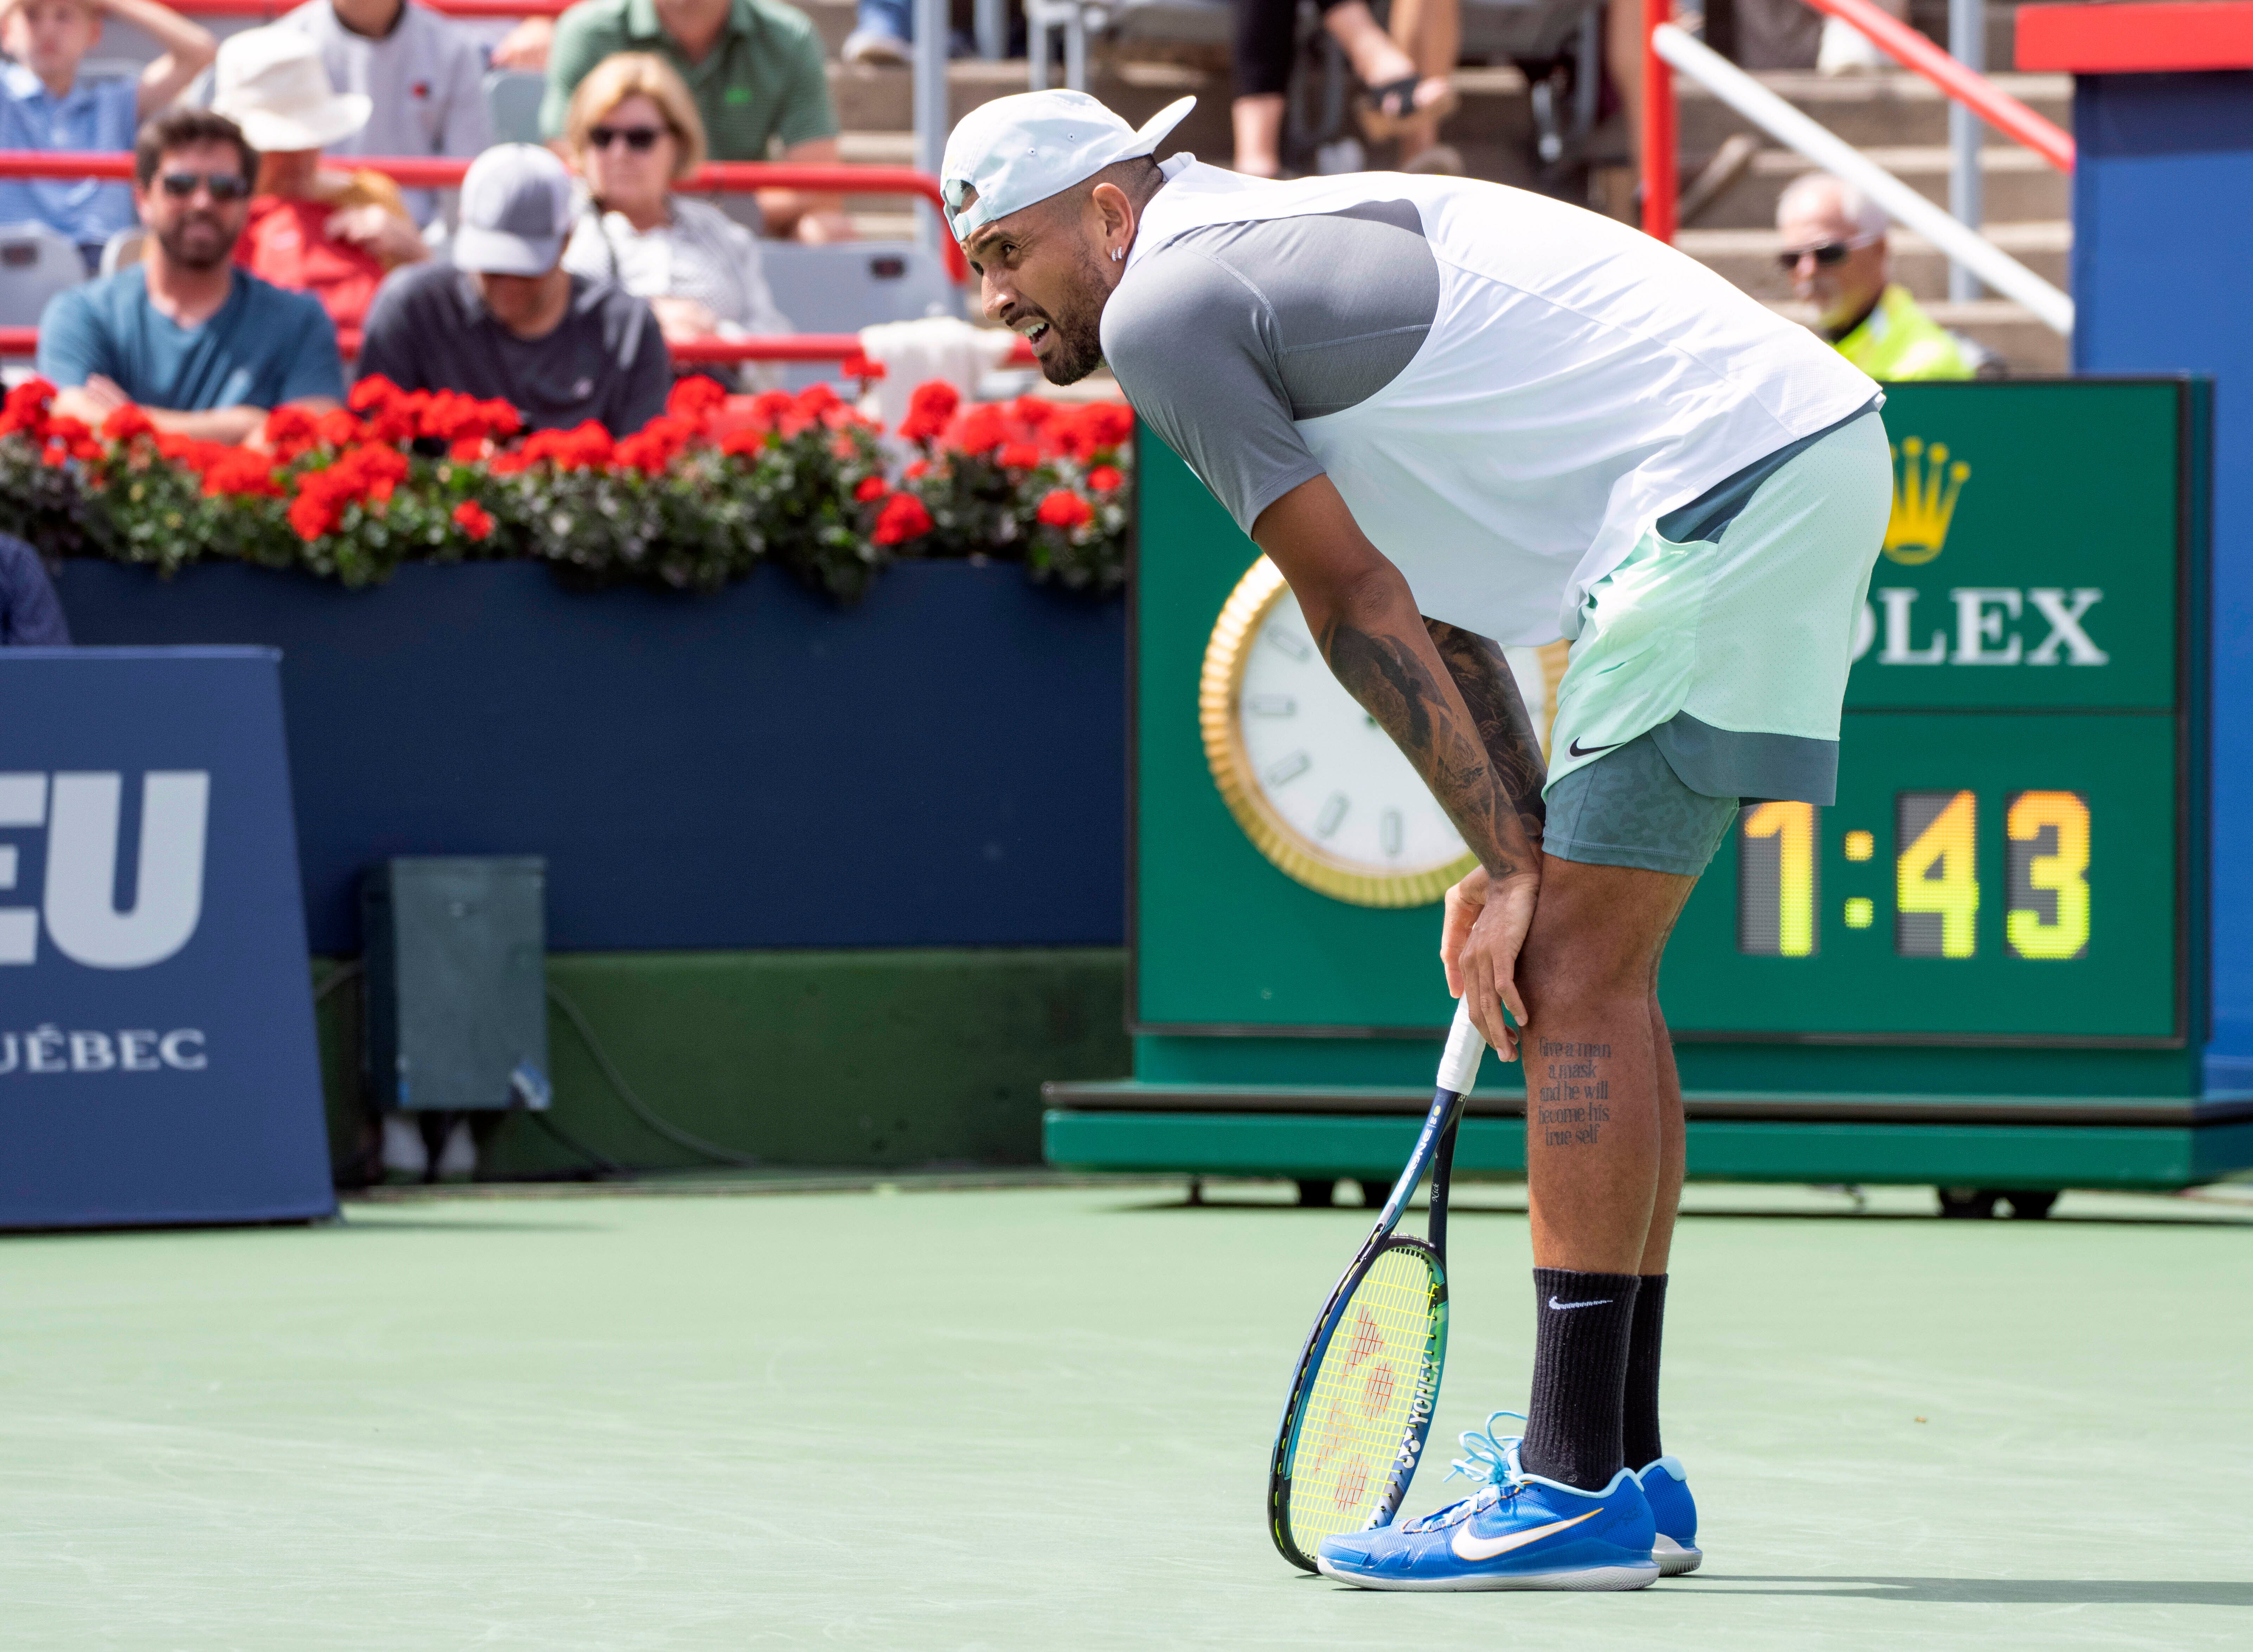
(1021, 149)
(270, 83)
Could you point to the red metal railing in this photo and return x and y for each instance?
(1896, 40)
(1661, 171)
(1973, 90)
(429, 172)
(22, 342)
(451, 8)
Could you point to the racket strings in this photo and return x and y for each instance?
(1363, 1397)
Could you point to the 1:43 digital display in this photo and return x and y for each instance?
(1936, 886)
(1979, 876)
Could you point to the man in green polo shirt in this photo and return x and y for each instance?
(755, 68)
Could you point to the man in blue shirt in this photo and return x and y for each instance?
(204, 348)
(43, 105)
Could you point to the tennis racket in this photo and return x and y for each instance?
(1366, 1383)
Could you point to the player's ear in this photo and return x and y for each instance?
(1114, 220)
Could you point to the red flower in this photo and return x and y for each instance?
(872, 487)
(242, 472)
(694, 397)
(374, 393)
(1092, 427)
(473, 519)
(1065, 509)
(1104, 478)
(336, 428)
(858, 365)
(291, 432)
(980, 429)
(1020, 456)
(25, 408)
(918, 469)
(466, 449)
(1032, 412)
(126, 423)
(902, 518)
(930, 410)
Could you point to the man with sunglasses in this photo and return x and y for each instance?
(1836, 253)
(206, 349)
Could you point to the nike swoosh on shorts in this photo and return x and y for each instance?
(1579, 750)
(1469, 1548)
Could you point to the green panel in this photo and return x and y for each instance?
(833, 1058)
(1221, 935)
(2071, 487)
(1950, 1156)
(1855, 982)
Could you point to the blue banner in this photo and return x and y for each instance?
(158, 1062)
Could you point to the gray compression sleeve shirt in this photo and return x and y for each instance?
(1225, 337)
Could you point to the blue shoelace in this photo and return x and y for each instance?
(1488, 1457)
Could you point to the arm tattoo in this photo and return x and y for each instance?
(1389, 675)
(1505, 728)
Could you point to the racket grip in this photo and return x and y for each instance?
(1459, 1065)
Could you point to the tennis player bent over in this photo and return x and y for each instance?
(1457, 415)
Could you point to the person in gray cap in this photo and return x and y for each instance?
(507, 319)
(1456, 416)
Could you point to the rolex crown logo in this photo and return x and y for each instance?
(1925, 489)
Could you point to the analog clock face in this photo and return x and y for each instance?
(1316, 783)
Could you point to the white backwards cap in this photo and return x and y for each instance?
(1021, 149)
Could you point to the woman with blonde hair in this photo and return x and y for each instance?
(633, 133)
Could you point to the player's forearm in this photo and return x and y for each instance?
(1482, 676)
(1377, 647)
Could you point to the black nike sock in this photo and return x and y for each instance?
(1639, 1429)
(1582, 1322)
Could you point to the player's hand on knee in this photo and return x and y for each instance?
(1484, 968)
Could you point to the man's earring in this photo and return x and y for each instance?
(1118, 253)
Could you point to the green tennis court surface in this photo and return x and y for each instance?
(1039, 1417)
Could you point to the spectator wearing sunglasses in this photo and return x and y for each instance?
(47, 104)
(330, 231)
(633, 133)
(1836, 253)
(755, 70)
(206, 349)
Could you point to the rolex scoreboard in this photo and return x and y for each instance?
(1987, 965)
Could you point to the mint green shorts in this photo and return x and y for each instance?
(1727, 634)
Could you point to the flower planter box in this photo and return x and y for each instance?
(940, 764)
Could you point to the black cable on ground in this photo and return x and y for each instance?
(602, 1166)
(635, 1106)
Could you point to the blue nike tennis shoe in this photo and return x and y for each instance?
(1666, 1487)
(1518, 1531)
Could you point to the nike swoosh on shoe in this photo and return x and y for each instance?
(1469, 1548)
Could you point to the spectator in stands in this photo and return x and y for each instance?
(507, 319)
(1836, 253)
(755, 69)
(633, 132)
(423, 79)
(205, 348)
(43, 105)
(330, 232)
(1406, 71)
(30, 616)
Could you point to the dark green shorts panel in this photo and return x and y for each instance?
(1629, 808)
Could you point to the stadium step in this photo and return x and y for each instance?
(1884, 109)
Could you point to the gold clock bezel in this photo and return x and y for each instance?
(1220, 693)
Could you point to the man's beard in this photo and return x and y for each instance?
(212, 246)
(1078, 347)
